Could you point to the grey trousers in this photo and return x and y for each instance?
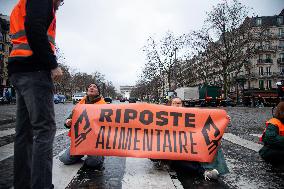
(35, 130)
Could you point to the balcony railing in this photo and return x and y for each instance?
(280, 48)
(267, 48)
(265, 61)
(265, 74)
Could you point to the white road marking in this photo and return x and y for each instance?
(7, 150)
(7, 132)
(256, 135)
(141, 173)
(63, 174)
(175, 180)
(242, 142)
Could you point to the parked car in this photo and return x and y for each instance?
(59, 99)
(122, 100)
(132, 100)
(228, 102)
(77, 97)
(108, 100)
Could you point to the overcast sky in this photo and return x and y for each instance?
(108, 35)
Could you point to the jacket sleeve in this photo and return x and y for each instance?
(272, 137)
(69, 117)
(38, 15)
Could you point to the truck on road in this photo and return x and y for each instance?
(189, 95)
(204, 95)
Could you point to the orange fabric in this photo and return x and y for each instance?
(275, 122)
(17, 31)
(83, 101)
(147, 131)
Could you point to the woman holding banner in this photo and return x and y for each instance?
(209, 170)
(95, 162)
(273, 137)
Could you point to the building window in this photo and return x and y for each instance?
(260, 58)
(1, 47)
(267, 32)
(268, 71)
(268, 58)
(258, 21)
(261, 84)
(280, 20)
(1, 37)
(281, 44)
(281, 32)
(268, 84)
(260, 70)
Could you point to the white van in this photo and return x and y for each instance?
(77, 97)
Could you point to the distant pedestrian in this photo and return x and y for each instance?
(8, 95)
(95, 162)
(32, 65)
(273, 137)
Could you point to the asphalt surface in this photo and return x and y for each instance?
(247, 169)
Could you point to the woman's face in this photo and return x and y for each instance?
(93, 90)
(176, 102)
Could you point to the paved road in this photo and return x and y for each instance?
(240, 145)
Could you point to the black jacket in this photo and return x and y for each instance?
(39, 15)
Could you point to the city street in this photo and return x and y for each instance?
(240, 145)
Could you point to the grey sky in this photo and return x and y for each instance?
(107, 35)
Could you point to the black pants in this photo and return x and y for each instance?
(35, 130)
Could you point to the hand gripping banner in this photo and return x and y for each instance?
(147, 131)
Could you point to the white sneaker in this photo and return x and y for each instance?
(211, 174)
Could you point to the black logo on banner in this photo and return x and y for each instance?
(82, 128)
(212, 143)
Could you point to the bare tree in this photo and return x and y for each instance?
(228, 38)
(161, 58)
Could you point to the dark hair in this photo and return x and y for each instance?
(99, 90)
(279, 108)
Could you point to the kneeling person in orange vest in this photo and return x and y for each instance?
(96, 162)
(273, 137)
(209, 170)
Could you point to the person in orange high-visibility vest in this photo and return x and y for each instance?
(32, 66)
(95, 162)
(208, 170)
(273, 137)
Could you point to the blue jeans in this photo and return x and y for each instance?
(35, 130)
(90, 161)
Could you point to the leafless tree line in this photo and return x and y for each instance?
(74, 81)
(224, 45)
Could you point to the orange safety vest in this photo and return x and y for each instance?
(83, 101)
(275, 122)
(19, 39)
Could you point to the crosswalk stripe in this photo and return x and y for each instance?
(255, 135)
(175, 180)
(7, 150)
(7, 132)
(141, 173)
(63, 174)
(242, 142)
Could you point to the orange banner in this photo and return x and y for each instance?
(147, 131)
